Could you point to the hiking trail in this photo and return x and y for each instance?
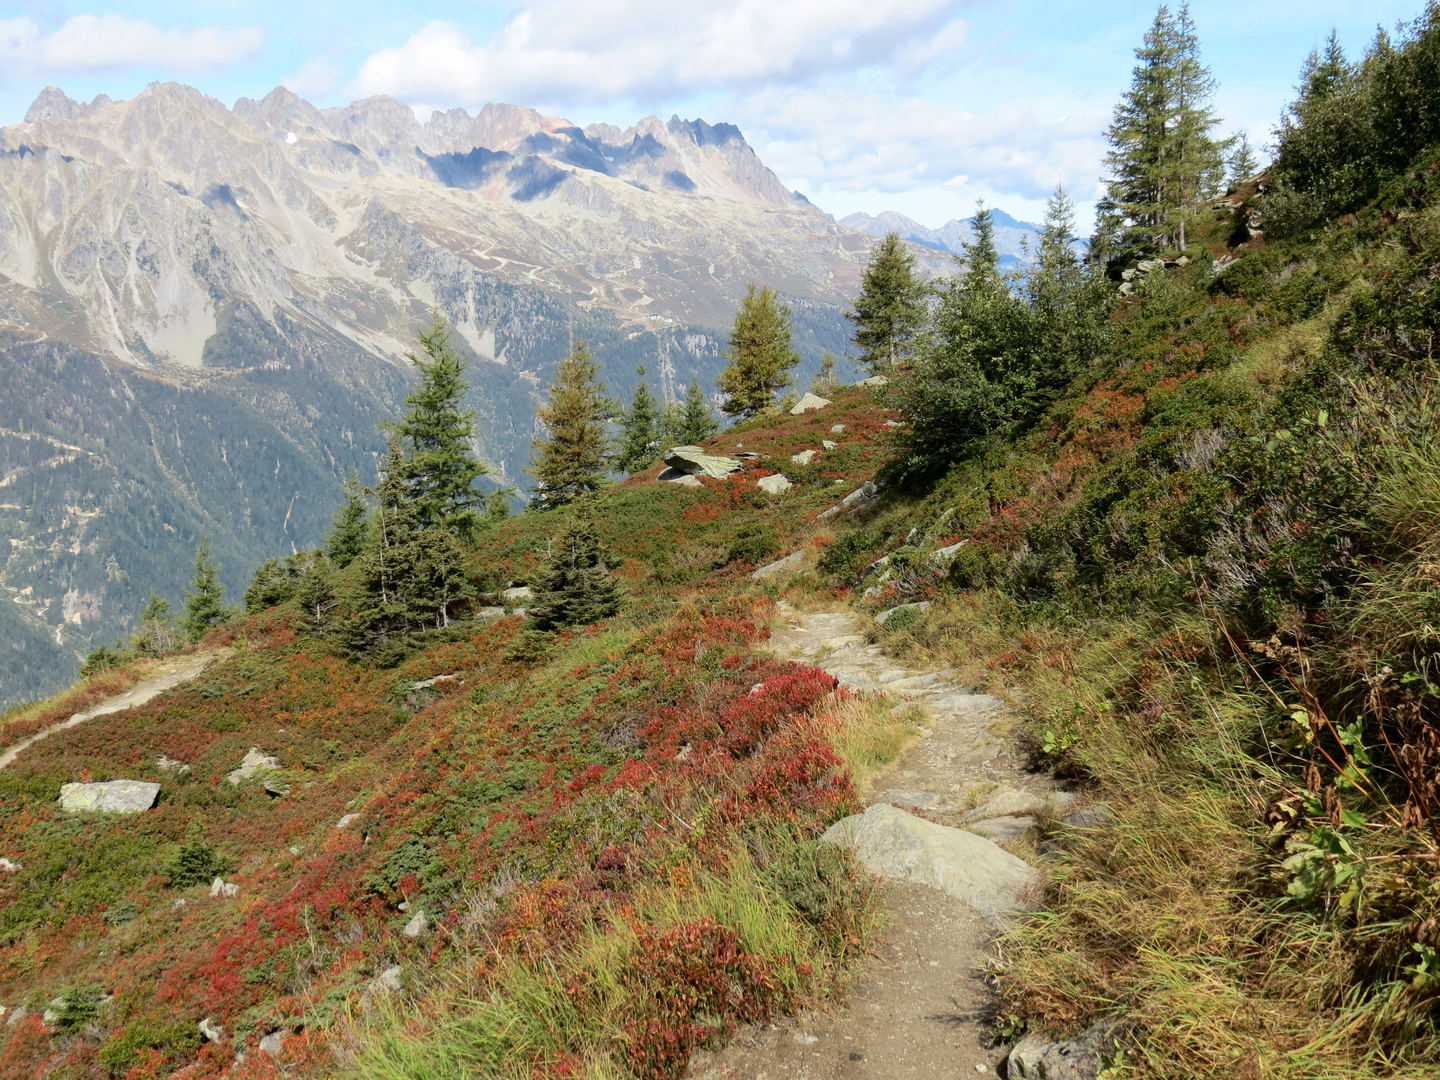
(918, 1005)
(168, 674)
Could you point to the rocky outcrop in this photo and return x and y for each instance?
(694, 461)
(255, 762)
(809, 403)
(110, 797)
(902, 847)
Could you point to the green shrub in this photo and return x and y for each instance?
(175, 1039)
(753, 543)
(194, 864)
(850, 552)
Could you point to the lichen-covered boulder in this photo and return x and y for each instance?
(695, 462)
(110, 797)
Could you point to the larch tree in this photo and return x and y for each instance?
(439, 466)
(571, 462)
(890, 309)
(640, 430)
(205, 595)
(761, 354)
(1163, 162)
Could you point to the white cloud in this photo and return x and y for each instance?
(647, 50)
(91, 42)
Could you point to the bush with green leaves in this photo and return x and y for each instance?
(753, 543)
(196, 863)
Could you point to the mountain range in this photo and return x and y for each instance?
(1012, 237)
(204, 312)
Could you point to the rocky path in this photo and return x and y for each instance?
(168, 674)
(918, 1008)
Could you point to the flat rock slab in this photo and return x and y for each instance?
(693, 460)
(110, 797)
(902, 847)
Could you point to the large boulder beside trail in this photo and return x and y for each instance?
(902, 847)
(695, 462)
(110, 797)
(1037, 1058)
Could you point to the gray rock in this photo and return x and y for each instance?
(874, 380)
(946, 555)
(837, 429)
(386, 983)
(675, 476)
(220, 889)
(1003, 830)
(884, 616)
(804, 457)
(491, 612)
(809, 402)
(346, 820)
(426, 684)
(254, 761)
(277, 787)
(790, 564)
(9, 867)
(270, 1044)
(514, 598)
(862, 496)
(111, 797)
(1036, 1058)
(695, 462)
(15, 1017)
(1089, 817)
(777, 484)
(828, 444)
(902, 847)
(212, 1031)
(416, 926)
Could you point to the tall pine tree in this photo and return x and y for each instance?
(571, 462)
(640, 430)
(761, 354)
(439, 468)
(890, 309)
(205, 595)
(1163, 162)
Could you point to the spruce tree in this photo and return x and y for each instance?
(698, 424)
(890, 309)
(1243, 163)
(350, 532)
(640, 430)
(761, 354)
(824, 384)
(571, 462)
(440, 466)
(156, 634)
(204, 597)
(1163, 162)
(575, 587)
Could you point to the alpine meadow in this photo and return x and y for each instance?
(798, 650)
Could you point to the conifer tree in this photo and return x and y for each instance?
(571, 462)
(156, 634)
(1163, 162)
(640, 430)
(351, 530)
(696, 419)
(1243, 163)
(761, 354)
(575, 587)
(204, 597)
(824, 383)
(890, 308)
(440, 467)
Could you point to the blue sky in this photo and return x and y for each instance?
(913, 105)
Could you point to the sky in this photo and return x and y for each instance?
(920, 106)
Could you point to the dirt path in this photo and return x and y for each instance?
(918, 1007)
(168, 674)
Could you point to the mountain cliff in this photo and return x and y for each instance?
(204, 311)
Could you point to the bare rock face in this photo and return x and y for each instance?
(902, 847)
(110, 797)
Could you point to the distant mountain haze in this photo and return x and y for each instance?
(204, 313)
(1011, 236)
